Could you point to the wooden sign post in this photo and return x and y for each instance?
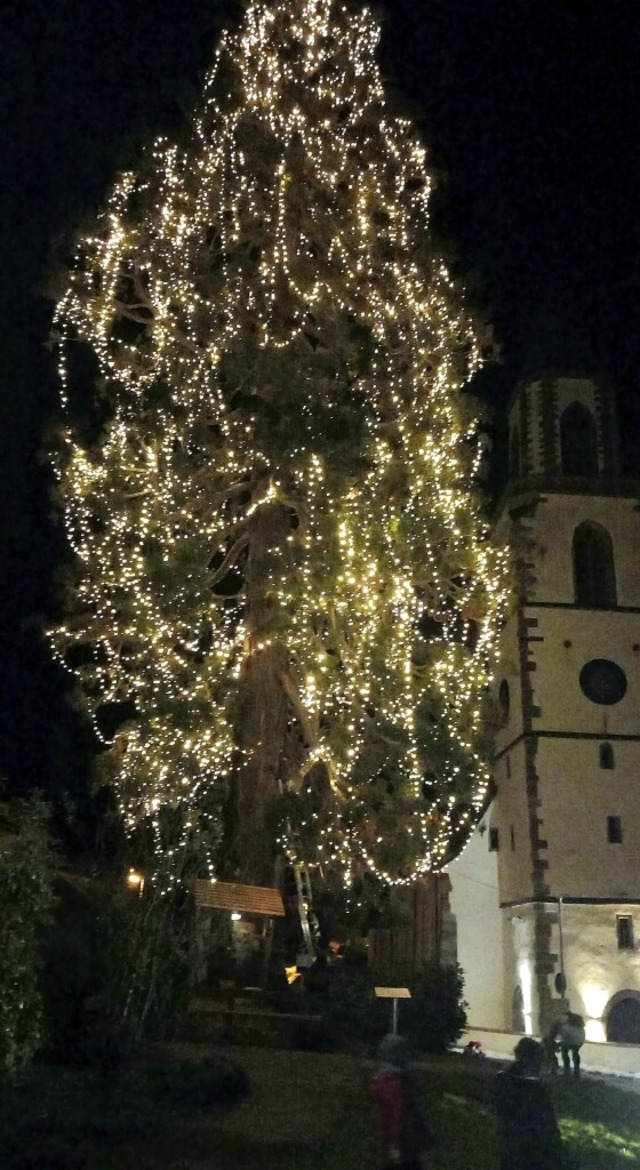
(394, 993)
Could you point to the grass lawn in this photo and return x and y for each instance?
(305, 1111)
(600, 1124)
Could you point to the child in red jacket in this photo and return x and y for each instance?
(405, 1133)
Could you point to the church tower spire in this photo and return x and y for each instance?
(562, 427)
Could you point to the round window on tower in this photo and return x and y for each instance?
(603, 681)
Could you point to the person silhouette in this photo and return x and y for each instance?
(571, 1036)
(404, 1130)
(528, 1134)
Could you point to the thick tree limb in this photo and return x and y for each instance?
(308, 724)
(229, 561)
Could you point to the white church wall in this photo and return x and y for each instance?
(576, 798)
(595, 967)
(508, 671)
(569, 639)
(474, 902)
(510, 816)
(520, 955)
(555, 521)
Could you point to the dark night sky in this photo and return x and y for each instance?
(531, 109)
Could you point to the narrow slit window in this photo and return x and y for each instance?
(614, 830)
(515, 456)
(494, 840)
(606, 756)
(624, 932)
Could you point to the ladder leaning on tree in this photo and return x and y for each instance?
(308, 921)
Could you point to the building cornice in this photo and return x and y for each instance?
(609, 737)
(552, 901)
(608, 609)
(534, 489)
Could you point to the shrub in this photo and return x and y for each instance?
(41, 1147)
(435, 1015)
(147, 962)
(195, 1085)
(353, 1010)
(26, 906)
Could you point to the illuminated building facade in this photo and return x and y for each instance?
(547, 894)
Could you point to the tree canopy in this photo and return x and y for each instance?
(283, 604)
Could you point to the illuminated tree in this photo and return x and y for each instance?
(281, 570)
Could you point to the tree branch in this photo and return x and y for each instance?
(291, 691)
(127, 311)
(229, 561)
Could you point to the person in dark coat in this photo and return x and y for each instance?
(527, 1128)
(551, 1047)
(404, 1131)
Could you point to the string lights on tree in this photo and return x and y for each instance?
(281, 572)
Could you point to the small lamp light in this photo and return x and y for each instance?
(135, 881)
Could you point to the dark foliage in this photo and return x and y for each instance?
(41, 1147)
(62, 1119)
(435, 1015)
(198, 1085)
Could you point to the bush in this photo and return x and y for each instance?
(120, 968)
(41, 1148)
(69, 973)
(99, 1040)
(353, 1010)
(432, 1019)
(435, 1015)
(147, 954)
(195, 1085)
(26, 906)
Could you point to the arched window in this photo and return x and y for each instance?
(594, 576)
(515, 461)
(578, 441)
(623, 1018)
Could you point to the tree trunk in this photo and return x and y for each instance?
(264, 709)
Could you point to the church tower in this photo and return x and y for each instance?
(564, 824)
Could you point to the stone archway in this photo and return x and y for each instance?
(622, 1016)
